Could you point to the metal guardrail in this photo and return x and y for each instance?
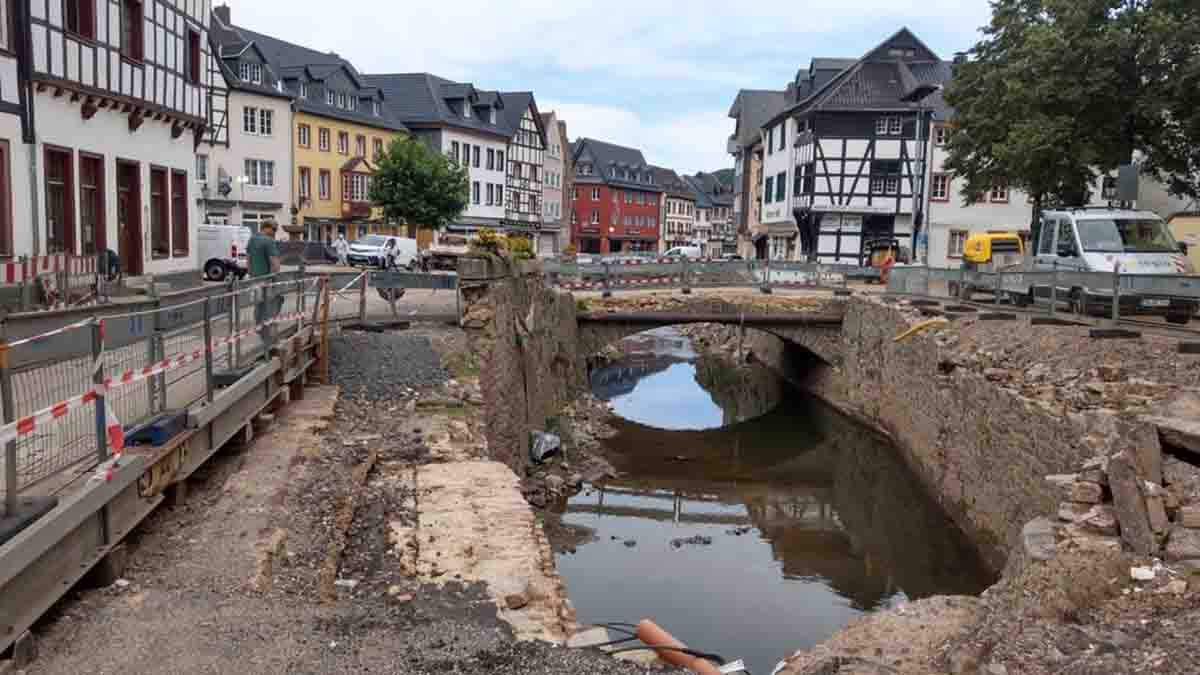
(50, 391)
(687, 274)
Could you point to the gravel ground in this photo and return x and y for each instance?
(186, 604)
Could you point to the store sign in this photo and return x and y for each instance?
(852, 208)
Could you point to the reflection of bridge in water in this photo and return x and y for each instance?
(621, 377)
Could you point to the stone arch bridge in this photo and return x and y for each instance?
(812, 323)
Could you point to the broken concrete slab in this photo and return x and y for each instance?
(1183, 544)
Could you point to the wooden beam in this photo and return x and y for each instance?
(41, 87)
(104, 103)
(58, 92)
(177, 129)
(75, 96)
(158, 116)
(89, 108)
(128, 107)
(135, 119)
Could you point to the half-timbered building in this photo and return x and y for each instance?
(677, 211)
(116, 96)
(851, 151)
(525, 174)
(244, 165)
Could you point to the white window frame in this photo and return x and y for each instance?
(595, 194)
(341, 99)
(266, 122)
(250, 120)
(260, 173)
(881, 126)
(375, 108)
(999, 194)
(891, 185)
(956, 243)
(941, 135)
(939, 188)
(877, 185)
(595, 216)
(305, 185)
(324, 185)
(895, 126)
(304, 135)
(330, 98)
(201, 165)
(303, 90)
(250, 72)
(324, 143)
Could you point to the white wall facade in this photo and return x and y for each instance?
(482, 174)
(252, 202)
(552, 174)
(778, 161)
(107, 134)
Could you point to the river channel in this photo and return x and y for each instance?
(754, 520)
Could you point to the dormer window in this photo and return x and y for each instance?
(467, 109)
(303, 90)
(251, 72)
(341, 99)
(353, 103)
(491, 115)
(375, 108)
(330, 97)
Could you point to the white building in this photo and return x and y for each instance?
(244, 167)
(119, 92)
(16, 144)
(553, 171)
(778, 142)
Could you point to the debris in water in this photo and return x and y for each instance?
(698, 540)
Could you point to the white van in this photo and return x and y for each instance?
(693, 252)
(384, 252)
(1099, 239)
(223, 250)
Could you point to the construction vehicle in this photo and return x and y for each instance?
(883, 254)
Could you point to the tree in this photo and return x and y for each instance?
(1060, 91)
(416, 185)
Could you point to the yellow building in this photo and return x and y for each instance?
(339, 128)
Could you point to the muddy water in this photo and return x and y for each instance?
(757, 538)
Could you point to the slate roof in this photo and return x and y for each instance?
(715, 193)
(228, 42)
(421, 99)
(607, 155)
(672, 183)
(878, 81)
(293, 61)
(515, 105)
(753, 107)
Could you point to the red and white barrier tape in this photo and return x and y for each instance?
(56, 331)
(16, 271)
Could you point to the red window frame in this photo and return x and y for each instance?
(160, 214)
(52, 156)
(180, 243)
(132, 24)
(91, 188)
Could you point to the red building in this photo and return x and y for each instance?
(615, 205)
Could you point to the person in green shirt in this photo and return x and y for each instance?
(262, 254)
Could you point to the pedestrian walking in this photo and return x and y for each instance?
(343, 249)
(262, 254)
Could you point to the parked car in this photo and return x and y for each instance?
(694, 252)
(223, 250)
(384, 252)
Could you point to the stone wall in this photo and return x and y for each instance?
(526, 340)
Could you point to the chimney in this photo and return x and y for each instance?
(222, 14)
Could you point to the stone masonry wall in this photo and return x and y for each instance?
(525, 337)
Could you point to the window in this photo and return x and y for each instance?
(375, 108)
(378, 148)
(324, 185)
(595, 194)
(251, 72)
(356, 187)
(941, 134)
(475, 192)
(783, 136)
(771, 141)
(360, 146)
(6, 29)
(999, 194)
(769, 193)
(344, 142)
(780, 186)
(179, 214)
(160, 217)
(939, 189)
(303, 90)
(341, 99)
(330, 97)
(304, 136)
(352, 102)
(201, 167)
(957, 241)
(895, 126)
(595, 217)
(60, 225)
(131, 29)
(193, 61)
(467, 109)
(305, 188)
(877, 185)
(881, 126)
(574, 217)
(454, 150)
(323, 139)
(260, 172)
(257, 121)
(892, 185)
(491, 155)
(475, 157)
(80, 17)
(490, 194)
(500, 160)
(91, 203)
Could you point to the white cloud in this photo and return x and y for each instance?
(687, 142)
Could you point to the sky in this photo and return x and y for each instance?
(655, 75)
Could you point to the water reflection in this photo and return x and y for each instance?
(813, 521)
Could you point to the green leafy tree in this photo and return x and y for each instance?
(1059, 90)
(416, 185)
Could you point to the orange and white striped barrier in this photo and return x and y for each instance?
(16, 271)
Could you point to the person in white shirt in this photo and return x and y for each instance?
(343, 249)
